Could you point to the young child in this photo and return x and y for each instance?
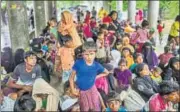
(123, 75)
(101, 53)
(151, 36)
(126, 53)
(142, 34)
(53, 28)
(93, 23)
(114, 103)
(66, 58)
(44, 47)
(109, 39)
(160, 28)
(138, 58)
(133, 39)
(156, 75)
(87, 71)
(164, 58)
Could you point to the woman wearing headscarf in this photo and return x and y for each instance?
(172, 70)
(67, 27)
(143, 84)
(150, 56)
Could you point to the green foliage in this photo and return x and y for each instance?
(66, 4)
(113, 5)
(170, 8)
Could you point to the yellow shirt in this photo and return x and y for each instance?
(156, 79)
(130, 61)
(174, 29)
(102, 13)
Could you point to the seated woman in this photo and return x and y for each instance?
(150, 56)
(172, 70)
(45, 96)
(143, 84)
(164, 100)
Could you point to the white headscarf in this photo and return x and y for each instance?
(116, 56)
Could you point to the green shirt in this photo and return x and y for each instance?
(53, 31)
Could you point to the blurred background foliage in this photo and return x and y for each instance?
(170, 9)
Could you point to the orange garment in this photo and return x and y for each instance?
(66, 58)
(127, 46)
(68, 27)
(129, 29)
(126, 43)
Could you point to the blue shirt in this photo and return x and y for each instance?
(121, 109)
(86, 74)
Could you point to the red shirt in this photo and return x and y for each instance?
(160, 28)
(164, 58)
(107, 19)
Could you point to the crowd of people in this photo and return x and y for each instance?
(103, 63)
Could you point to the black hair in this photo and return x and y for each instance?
(44, 69)
(126, 48)
(19, 56)
(167, 49)
(103, 26)
(53, 19)
(123, 60)
(89, 46)
(144, 23)
(159, 21)
(25, 103)
(112, 12)
(7, 59)
(177, 18)
(66, 86)
(167, 87)
(139, 68)
(99, 33)
(126, 35)
(136, 55)
(28, 54)
(137, 27)
(67, 38)
(93, 18)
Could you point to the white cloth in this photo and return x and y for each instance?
(132, 100)
(8, 104)
(116, 57)
(42, 87)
